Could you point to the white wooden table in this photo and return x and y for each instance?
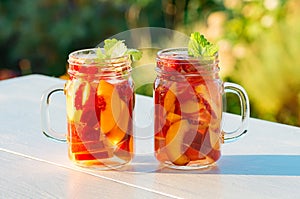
(263, 164)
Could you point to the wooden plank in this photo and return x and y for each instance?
(23, 177)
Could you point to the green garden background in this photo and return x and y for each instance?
(259, 40)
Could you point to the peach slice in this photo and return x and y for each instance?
(111, 108)
(125, 117)
(169, 101)
(214, 99)
(202, 89)
(190, 106)
(118, 132)
(174, 141)
(115, 135)
(173, 117)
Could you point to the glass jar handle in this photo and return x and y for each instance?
(245, 111)
(45, 115)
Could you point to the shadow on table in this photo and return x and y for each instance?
(275, 165)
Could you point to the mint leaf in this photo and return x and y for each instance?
(199, 46)
(116, 48)
(109, 43)
(100, 54)
(135, 54)
(211, 50)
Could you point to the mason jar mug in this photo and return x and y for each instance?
(188, 98)
(99, 106)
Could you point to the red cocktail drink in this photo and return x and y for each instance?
(188, 109)
(100, 99)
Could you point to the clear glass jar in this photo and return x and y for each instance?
(188, 110)
(99, 104)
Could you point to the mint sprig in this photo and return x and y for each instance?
(199, 46)
(114, 48)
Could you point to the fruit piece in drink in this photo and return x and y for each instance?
(174, 140)
(110, 105)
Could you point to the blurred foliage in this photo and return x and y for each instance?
(258, 40)
(46, 31)
(262, 39)
(258, 49)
